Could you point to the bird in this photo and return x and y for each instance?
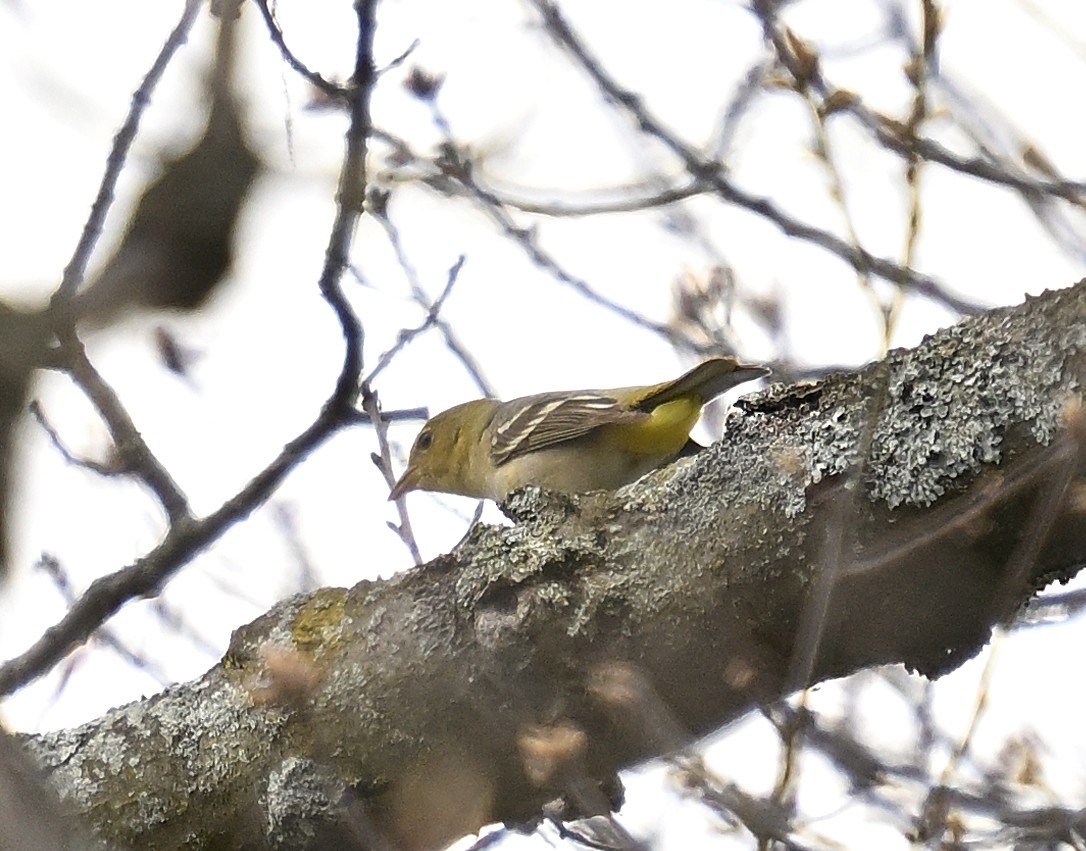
(569, 441)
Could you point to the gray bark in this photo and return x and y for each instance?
(892, 515)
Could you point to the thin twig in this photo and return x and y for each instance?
(407, 335)
(136, 457)
(452, 341)
(713, 174)
(383, 460)
(107, 469)
(334, 91)
(460, 169)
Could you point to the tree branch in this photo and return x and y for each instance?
(536, 660)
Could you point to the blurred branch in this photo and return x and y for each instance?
(901, 137)
(187, 536)
(25, 343)
(882, 783)
(1053, 608)
(118, 155)
(177, 248)
(106, 636)
(713, 176)
(23, 348)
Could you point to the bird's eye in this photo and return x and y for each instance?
(424, 440)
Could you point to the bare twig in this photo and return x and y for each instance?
(407, 335)
(432, 308)
(108, 469)
(136, 457)
(713, 174)
(332, 90)
(454, 165)
(372, 406)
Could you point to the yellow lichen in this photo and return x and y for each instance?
(319, 620)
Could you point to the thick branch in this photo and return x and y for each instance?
(537, 660)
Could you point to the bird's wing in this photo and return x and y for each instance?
(536, 422)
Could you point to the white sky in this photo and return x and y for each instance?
(271, 349)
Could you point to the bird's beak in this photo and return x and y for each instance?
(408, 482)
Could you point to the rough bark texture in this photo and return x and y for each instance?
(891, 515)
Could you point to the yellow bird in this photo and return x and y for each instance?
(572, 441)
